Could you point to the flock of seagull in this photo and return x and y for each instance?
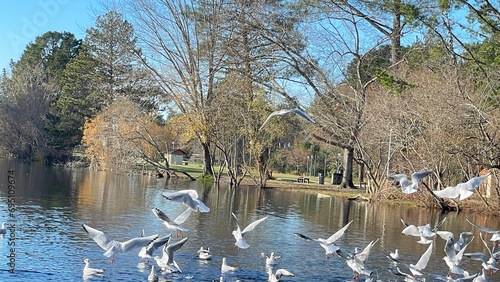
(455, 248)
(147, 245)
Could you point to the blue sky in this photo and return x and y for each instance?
(21, 21)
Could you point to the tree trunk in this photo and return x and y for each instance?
(207, 168)
(396, 34)
(348, 161)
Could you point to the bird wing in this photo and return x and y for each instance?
(411, 230)
(283, 272)
(161, 215)
(338, 234)
(445, 234)
(419, 175)
(201, 206)
(477, 256)
(158, 242)
(137, 242)
(484, 229)
(474, 182)
(172, 248)
(363, 256)
(438, 225)
(400, 177)
(449, 248)
(304, 115)
(405, 223)
(238, 229)
(251, 226)
(424, 259)
(183, 216)
(449, 192)
(303, 237)
(99, 237)
(460, 254)
(267, 119)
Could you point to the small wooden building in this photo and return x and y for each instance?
(176, 156)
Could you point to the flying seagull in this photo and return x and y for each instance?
(187, 197)
(112, 246)
(462, 190)
(328, 244)
(173, 225)
(410, 187)
(286, 111)
(422, 231)
(239, 234)
(166, 262)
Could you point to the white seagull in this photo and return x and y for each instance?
(152, 277)
(89, 271)
(113, 247)
(239, 234)
(166, 262)
(286, 111)
(458, 244)
(453, 258)
(488, 262)
(423, 231)
(462, 190)
(173, 225)
(410, 187)
(204, 254)
(226, 268)
(3, 229)
(187, 197)
(394, 256)
(496, 233)
(271, 259)
(416, 269)
(275, 277)
(357, 261)
(146, 252)
(328, 244)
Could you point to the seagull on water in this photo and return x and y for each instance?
(328, 244)
(423, 231)
(113, 247)
(3, 229)
(166, 262)
(394, 256)
(275, 277)
(357, 261)
(91, 272)
(226, 268)
(410, 187)
(173, 225)
(461, 190)
(286, 111)
(239, 235)
(271, 259)
(187, 197)
(204, 254)
(152, 277)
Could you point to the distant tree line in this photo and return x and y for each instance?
(395, 86)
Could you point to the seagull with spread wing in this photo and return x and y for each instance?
(173, 225)
(461, 190)
(239, 234)
(408, 187)
(189, 198)
(328, 244)
(113, 247)
(286, 111)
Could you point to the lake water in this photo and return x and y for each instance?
(51, 204)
